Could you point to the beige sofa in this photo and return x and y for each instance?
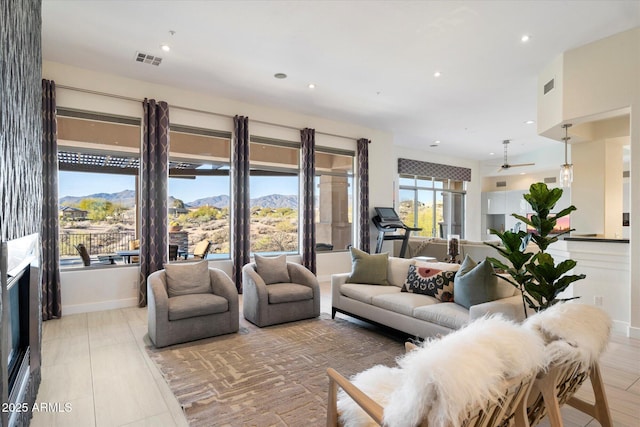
(414, 314)
(437, 248)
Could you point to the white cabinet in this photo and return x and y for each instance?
(496, 202)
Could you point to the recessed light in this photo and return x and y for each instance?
(312, 86)
(280, 75)
(529, 122)
(525, 38)
(165, 47)
(436, 142)
(522, 173)
(437, 74)
(492, 154)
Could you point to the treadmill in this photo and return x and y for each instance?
(387, 221)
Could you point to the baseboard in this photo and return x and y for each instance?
(619, 327)
(633, 332)
(99, 306)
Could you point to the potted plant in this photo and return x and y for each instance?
(535, 274)
(174, 226)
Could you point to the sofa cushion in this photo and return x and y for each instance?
(402, 302)
(397, 270)
(187, 278)
(365, 293)
(272, 269)
(288, 292)
(444, 266)
(430, 281)
(192, 305)
(476, 283)
(447, 314)
(367, 268)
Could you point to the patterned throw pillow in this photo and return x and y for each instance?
(430, 281)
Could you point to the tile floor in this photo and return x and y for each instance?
(97, 362)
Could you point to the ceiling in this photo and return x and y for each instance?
(372, 62)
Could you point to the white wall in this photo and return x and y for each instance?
(601, 79)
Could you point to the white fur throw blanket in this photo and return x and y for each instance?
(572, 332)
(445, 378)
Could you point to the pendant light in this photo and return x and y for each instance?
(566, 170)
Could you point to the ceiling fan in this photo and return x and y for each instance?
(506, 164)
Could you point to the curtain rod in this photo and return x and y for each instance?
(195, 110)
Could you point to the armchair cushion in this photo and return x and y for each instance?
(288, 292)
(188, 278)
(368, 269)
(272, 269)
(192, 305)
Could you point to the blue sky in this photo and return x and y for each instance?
(82, 184)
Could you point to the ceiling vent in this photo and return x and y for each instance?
(148, 59)
(550, 180)
(501, 183)
(548, 86)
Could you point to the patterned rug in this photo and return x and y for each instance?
(274, 376)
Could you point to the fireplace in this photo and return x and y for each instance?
(19, 328)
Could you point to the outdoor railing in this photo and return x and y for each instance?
(96, 243)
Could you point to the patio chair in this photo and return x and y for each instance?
(201, 249)
(173, 252)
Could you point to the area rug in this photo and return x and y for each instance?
(274, 376)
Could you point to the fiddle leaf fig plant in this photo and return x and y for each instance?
(535, 274)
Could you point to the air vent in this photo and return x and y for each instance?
(148, 59)
(550, 180)
(626, 174)
(548, 86)
(501, 183)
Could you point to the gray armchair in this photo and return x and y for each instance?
(178, 315)
(269, 304)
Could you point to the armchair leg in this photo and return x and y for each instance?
(333, 312)
(600, 410)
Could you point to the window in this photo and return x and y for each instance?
(433, 204)
(274, 186)
(199, 190)
(98, 168)
(334, 199)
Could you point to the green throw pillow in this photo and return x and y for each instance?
(475, 283)
(368, 269)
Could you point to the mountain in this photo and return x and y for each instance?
(126, 198)
(221, 201)
(274, 201)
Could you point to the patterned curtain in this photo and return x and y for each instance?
(363, 191)
(308, 139)
(241, 208)
(154, 166)
(51, 308)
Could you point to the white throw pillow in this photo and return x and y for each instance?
(397, 270)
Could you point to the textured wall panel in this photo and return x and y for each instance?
(20, 118)
(20, 145)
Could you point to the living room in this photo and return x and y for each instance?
(100, 90)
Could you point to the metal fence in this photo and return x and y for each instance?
(96, 243)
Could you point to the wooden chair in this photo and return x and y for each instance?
(557, 387)
(133, 245)
(439, 387)
(579, 333)
(509, 409)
